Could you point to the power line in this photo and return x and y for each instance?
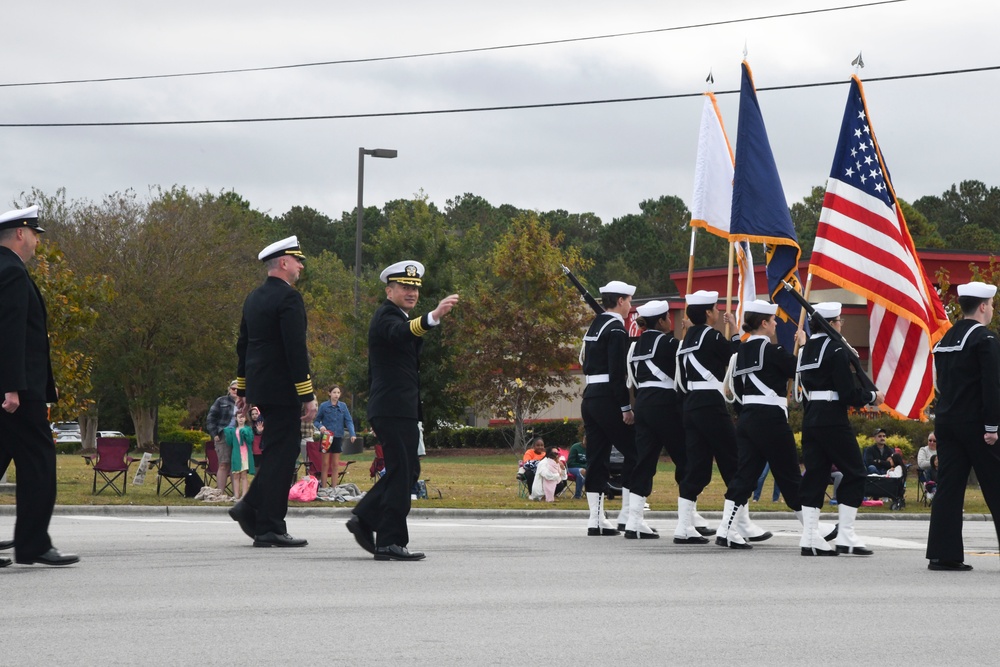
(512, 107)
(353, 61)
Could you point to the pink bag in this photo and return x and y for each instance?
(304, 490)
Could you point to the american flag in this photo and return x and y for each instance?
(864, 245)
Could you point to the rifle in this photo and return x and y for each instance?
(591, 301)
(852, 355)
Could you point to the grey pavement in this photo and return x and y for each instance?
(185, 587)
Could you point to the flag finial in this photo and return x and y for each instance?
(710, 78)
(858, 62)
(745, 51)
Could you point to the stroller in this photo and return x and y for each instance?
(893, 488)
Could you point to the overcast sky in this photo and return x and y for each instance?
(601, 158)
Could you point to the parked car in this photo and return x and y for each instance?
(111, 434)
(62, 427)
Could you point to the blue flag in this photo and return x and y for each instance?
(760, 212)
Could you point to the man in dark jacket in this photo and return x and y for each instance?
(394, 410)
(878, 457)
(273, 374)
(27, 384)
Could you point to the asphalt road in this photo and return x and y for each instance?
(189, 589)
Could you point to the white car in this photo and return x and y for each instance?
(111, 434)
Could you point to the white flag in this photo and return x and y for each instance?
(712, 202)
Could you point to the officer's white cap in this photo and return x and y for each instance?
(407, 272)
(828, 309)
(652, 308)
(760, 306)
(289, 246)
(701, 298)
(22, 217)
(978, 290)
(618, 287)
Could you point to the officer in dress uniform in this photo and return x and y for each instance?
(967, 364)
(27, 384)
(658, 421)
(759, 379)
(829, 387)
(606, 408)
(273, 374)
(395, 411)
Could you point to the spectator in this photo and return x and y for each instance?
(257, 421)
(926, 452)
(577, 465)
(775, 494)
(836, 477)
(550, 478)
(220, 416)
(240, 441)
(878, 457)
(930, 486)
(332, 420)
(529, 462)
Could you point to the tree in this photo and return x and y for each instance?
(805, 217)
(517, 329)
(967, 216)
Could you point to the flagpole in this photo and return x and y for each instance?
(729, 288)
(694, 230)
(802, 315)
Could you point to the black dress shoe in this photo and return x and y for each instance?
(690, 540)
(723, 542)
(855, 551)
(760, 538)
(362, 535)
(4, 562)
(602, 532)
(393, 552)
(276, 540)
(6, 544)
(704, 530)
(810, 551)
(636, 535)
(246, 516)
(948, 565)
(50, 557)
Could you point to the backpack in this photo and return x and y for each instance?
(192, 484)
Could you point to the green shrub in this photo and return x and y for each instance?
(196, 438)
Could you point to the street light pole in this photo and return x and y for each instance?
(362, 152)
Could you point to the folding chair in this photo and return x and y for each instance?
(921, 491)
(112, 463)
(173, 466)
(314, 460)
(377, 469)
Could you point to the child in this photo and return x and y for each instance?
(240, 439)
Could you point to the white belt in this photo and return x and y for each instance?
(713, 385)
(597, 379)
(779, 401)
(823, 396)
(664, 384)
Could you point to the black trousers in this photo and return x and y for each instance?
(826, 446)
(385, 507)
(961, 447)
(709, 434)
(25, 438)
(279, 444)
(657, 427)
(602, 422)
(763, 437)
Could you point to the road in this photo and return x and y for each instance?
(189, 589)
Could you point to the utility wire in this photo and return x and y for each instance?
(353, 61)
(511, 107)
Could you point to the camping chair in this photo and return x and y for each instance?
(377, 469)
(921, 491)
(173, 466)
(210, 464)
(111, 462)
(314, 454)
(570, 477)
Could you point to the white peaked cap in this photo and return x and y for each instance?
(828, 309)
(652, 308)
(978, 290)
(618, 287)
(760, 306)
(289, 246)
(701, 298)
(407, 272)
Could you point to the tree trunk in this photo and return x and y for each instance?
(144, 419)
(88, 429)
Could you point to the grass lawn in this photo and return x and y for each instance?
(469, 480)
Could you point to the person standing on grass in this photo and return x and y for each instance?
(27, 385)
(967, 363)
(333, 420)
(395, 411)
(220, 417)
(239, 438)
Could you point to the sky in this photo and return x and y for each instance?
(603, 158)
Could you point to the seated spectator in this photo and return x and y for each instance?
(931, 475)
(577, 465)
(550, 477)
(536, 452)
(836, 477)
(925, 454)
(878, 457)
(897, 470)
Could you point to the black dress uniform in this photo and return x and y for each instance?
(394, 410)
(827, 438)
(25, 435)
(702, 361)
(760, 381)
(967, 362)
(658, 416)
(273, 374)
(605, 399)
